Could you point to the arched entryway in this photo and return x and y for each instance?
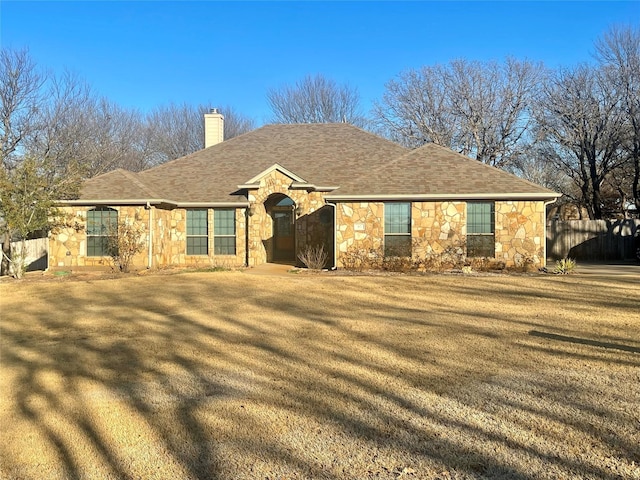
(281, 209)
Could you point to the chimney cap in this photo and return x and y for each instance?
(213, 110)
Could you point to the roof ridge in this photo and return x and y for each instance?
(143, 186)
(386, 164)
(492, 167)
(432, 148)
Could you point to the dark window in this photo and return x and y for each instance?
(481, 229)
(197, 232)
(397, 229)
(224, 232)
(102, 224)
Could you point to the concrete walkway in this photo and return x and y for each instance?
(274, 269)
(624, 269)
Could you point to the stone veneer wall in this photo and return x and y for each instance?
(170, 242)
(68, 247)
(520, 232)
(360, 227)
(436, 226)
(260, 227)
(519, 229)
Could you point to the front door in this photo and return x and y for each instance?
(283, 233)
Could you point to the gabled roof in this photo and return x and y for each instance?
(432, 172)
(340, 157)
(275, 167)
(321, 154)
(117, 184)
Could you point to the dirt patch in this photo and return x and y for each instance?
(228, 375)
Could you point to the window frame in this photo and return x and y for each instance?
(389, 235)
(98, 244)
(223, 247)
(191, 247)
(479, 232)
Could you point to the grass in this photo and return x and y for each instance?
(237, 376)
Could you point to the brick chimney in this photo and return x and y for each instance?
(213, 128)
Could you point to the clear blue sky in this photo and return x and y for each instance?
(145, 54)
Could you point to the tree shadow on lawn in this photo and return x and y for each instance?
(585, 341)
(201, 377)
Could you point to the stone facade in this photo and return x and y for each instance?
(68, 246)
(360, 227)
(519, 230)
(310, 226)
(436, 226)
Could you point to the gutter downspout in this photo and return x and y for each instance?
(335, 233)
(247, 219)
(547, 203)
(150, 254)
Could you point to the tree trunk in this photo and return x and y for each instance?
(636, 180)
(6, 254)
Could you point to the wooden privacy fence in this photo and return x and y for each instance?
(592, 239)
(37, 251)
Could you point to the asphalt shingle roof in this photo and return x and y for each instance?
(436, 170)
(358, 162)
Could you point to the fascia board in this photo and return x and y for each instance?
(273, 167)
(312, 187)
(212, 204)
(446, 196)
(154, 201)
(117, 201)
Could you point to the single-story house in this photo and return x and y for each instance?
(266, 195)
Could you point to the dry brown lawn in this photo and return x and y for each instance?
(235, 376)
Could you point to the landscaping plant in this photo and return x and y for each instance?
(565, 266)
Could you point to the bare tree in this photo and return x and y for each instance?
(80, 131)
(582, 128)
(173, 131)
(315, 100)
(478, 109)
(416, 108)
(235, 123)
(21, 96)
(618, 51)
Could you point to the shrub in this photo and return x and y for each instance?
(452, 257)
(397, 264)
(314, 257)
(359, 259)
(524, 262)
(124, 244)
(565, 266)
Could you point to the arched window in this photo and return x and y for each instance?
(102, 222)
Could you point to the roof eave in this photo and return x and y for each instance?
(212, 204)
(294, 186)
(116, 201)
(312, 187)
(445, 196)
(152, 201)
